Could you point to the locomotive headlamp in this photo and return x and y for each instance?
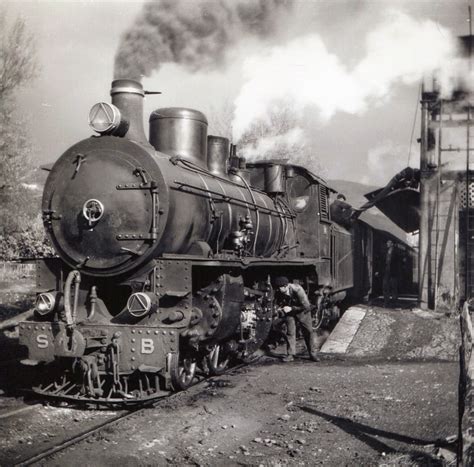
(106, 119)
(45, 303)
(139, 304)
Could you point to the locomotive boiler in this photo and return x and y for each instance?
(167, 248)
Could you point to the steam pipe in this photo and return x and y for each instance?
(424, 235)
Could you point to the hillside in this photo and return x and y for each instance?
(353, 191)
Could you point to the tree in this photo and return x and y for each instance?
(18, 62)
(281, 135)
(220, 119)
(19, 205)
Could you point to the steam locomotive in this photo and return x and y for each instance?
(167, 249)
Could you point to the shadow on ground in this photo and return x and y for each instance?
(369, 435)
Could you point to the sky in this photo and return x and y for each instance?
(77, 41)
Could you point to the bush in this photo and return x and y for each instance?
(28, 241)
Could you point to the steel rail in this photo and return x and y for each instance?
(18, 410)
(112, 421)
(74, 439)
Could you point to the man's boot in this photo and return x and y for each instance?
(288, 358)
(314, 357)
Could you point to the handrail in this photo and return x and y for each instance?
(238, 201)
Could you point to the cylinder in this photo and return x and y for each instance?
(180, 132)
(274, 178)
(218, 155)
(127, 96)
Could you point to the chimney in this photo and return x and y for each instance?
(127, 96)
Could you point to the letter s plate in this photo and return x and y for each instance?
(42, 341)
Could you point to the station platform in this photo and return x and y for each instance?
(399, 333)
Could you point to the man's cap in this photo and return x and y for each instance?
(341, 196)
(281, 281)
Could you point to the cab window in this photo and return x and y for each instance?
(299, 192)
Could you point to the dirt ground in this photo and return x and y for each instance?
(302, 413)
(391, 401)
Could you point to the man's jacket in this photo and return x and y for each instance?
(297, 299)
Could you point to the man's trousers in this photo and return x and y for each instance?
(304, 320)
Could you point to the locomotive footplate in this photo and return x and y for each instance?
(104, 363)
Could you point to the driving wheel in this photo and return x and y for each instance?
(217, 360)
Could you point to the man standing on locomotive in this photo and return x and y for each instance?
(293, 301)
(391, 275)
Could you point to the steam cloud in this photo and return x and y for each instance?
(386, 159)
(400, 50)
(302, 74)
(196, 34)
(276, 146)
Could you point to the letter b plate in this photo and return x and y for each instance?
(148, 346)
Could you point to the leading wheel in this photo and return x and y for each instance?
(183, 371)
(217, 360)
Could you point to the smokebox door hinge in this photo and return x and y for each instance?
(49, 215)
(147, 183)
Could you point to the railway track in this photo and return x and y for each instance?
(18, 410)
(124, 415)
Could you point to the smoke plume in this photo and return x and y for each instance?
(401, 50)
(195, 34)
